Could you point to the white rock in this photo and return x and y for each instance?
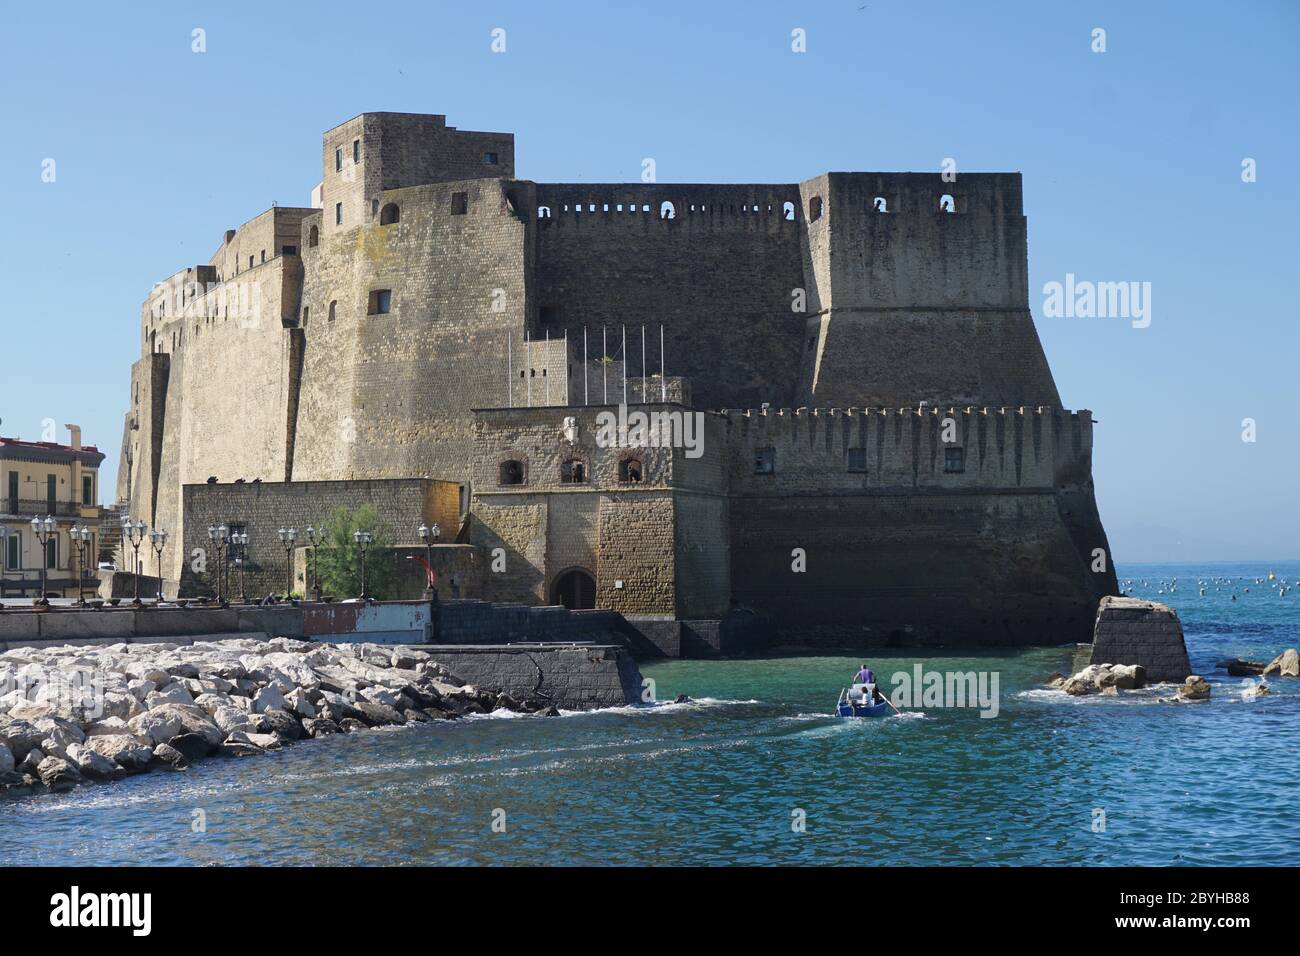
(297, 699)
(380, 695)
(158, 725)
(232, 719)
(267, 698)
(171, 694)
(140, 689)
(92, 763)
(127, 751)
(107, 727)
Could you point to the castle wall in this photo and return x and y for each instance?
(917, 304)
(389, 395)
(617, 530)
(719, 276)
(906, 552)
(265, 507)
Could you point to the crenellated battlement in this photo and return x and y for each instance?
(918, 412)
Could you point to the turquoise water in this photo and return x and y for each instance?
(721, 780)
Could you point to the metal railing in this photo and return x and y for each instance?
(28, 507)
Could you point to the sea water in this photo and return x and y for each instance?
(755, 771)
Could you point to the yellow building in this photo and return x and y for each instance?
(40, 480)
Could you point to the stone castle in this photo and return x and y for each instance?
(884, 456)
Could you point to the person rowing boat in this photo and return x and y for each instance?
(864, 683)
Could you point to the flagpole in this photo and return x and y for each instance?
(663, 382)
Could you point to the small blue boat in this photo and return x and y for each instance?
(853, 706)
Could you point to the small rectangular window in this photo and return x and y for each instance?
(459, 204)
(857, 459)
(381, 301)
(250, 262)
(338, 214)
(953, 459)
(263, 255)
(52, 554)
(338, 159)
(356, 151)
(765, 461)
(490, 159)
(13, 548)
(87, 490)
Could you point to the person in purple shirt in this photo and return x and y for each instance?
(866, 675)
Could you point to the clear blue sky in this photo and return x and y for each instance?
(1131, 158)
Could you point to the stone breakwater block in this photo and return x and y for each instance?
(1133, 631)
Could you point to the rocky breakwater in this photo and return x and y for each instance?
(69, 715)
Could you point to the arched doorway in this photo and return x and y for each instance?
(575, 589)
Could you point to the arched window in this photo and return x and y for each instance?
(667, 210)
(573, 472)
(788, 211)
(512, 472)
(947, 203)
(879, 204)
(814, 208)
(630, 469)
(333, 308)
(543, 212)
(389, 214)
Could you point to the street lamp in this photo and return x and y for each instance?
(81, 539)
(288, 537)
(158, 538)
(363, 539)
(219, 535)
(133, 532)
(316, 537)
(44, 528)
(239, 545)
(429, 535)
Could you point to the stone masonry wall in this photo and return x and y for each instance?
(266, 507)
(1133, 631)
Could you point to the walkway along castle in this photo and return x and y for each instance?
(883, 455)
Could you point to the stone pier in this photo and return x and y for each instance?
(1133, 631)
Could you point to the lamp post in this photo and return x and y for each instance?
(239, 544)
(133, 532)
(315, 537)
(81, 539)
(363, 539)
(158, 539)
(288, 537)
(4, 557)
(219, 535)
(429, 535)
(44, 528)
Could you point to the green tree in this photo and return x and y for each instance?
(338, 561)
